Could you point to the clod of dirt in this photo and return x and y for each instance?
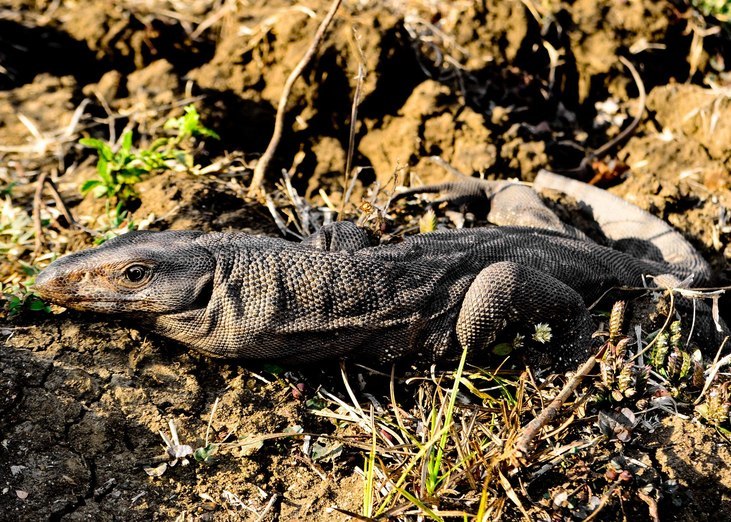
(678, 171)
(600, 30)
(694, 457)
(158, 81)
(429, 124)
(703, 115)
(47, 102)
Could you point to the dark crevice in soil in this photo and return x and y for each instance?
(127, 440)
(67, 427)
(58, 515)
(398, 75)
(28, 51)
(244, 125)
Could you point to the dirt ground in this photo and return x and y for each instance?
(83, 399)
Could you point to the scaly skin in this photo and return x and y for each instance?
(239, 296)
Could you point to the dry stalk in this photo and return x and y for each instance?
(263, 163)
(360, 78)
(45, 181)
(652, 507)
(603, 501)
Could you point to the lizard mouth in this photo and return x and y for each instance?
(91, 303)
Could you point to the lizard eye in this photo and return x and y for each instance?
(136, 273)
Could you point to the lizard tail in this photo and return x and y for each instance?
(629, 227)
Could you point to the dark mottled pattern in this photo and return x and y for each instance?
(241, 296)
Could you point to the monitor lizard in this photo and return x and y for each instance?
(236, 295)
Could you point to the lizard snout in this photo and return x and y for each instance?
(46, 284)
(58, 284)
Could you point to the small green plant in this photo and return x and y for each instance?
(119, 223)
(119, 171)
(620, 379)
(189, 126)
(671, 359)
(16, 229)
(18, 298)
(715, 408)
(7, 189)
(428, 222)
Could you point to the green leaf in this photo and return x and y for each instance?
(502, 349)
(103, 168)
(37, 305)
(102, 190)
(89, 184)
(204, 454)
(94, 143)
(272, 368)
(159, 143)
(126, 142)
(315, 403)
(131, 176)
(205, 131)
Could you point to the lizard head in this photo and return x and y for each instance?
(138, 272)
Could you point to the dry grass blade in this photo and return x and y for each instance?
(37, 225)
(263, 164)
(603, 502)
(370, 466)
(664, 328)
(210, 418)
(713, 371)
(510, 492)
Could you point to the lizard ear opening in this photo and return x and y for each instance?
(203, 292)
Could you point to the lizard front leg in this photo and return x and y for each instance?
(508, 294)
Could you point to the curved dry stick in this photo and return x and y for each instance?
(266, 158)
(530, 431)
(44, 180)
(619, 138)
(626, 133)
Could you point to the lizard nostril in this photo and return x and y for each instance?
(41, 284)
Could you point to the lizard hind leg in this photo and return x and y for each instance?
(507, 295)
(513, 204)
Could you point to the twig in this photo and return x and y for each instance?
(45, 180)
(715, 367)
(585, 164)
(530, 431)
(268, 507)
(266, 158)
(61, 206)
(603, 502)
(619, 138)
(651, 505)
(226, 8)
(37, 225)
